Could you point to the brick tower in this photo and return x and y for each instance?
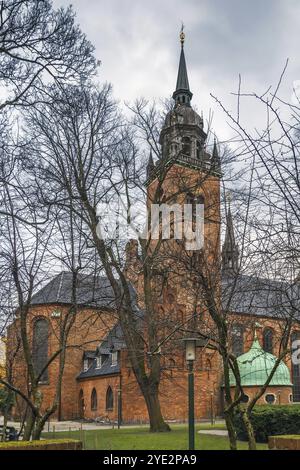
(186, 173)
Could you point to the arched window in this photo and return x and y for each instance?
(109, 399)
(198, 150)
(40, 347)
(295, 368)
(268, 340)
(94, 403)
(237, 339)
(172, 363)
(194, 201)
(186, 146)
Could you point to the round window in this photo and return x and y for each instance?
(270, 398)
(244, 399)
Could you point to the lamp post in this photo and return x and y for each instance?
(190, 355)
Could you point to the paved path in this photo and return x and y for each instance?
(214, 432)
(75, 425)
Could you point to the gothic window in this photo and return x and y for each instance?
(237, 339)
(268, 340)
(109, 399)
(194, 201)
(295, 369)
(186, 146)
(94, 403)
(198, 150)
(172, 363)
(40, 347)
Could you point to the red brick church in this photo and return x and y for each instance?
(98, 381)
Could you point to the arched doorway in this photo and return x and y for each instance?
(81, 405)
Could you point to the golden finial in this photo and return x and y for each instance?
(182, 35)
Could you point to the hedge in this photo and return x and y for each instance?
(270, 420)
(43, 444)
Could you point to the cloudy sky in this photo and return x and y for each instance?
(137, 43)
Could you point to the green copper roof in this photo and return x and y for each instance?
(256, 365)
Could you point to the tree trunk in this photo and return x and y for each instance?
(30, 421)
(249, 429)
(157, 422)
(5, 419)
(231, 430)
(38, 428)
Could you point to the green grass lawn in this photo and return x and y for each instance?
(142, 439)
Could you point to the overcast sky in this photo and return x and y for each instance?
(137, 42)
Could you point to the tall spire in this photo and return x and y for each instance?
(230, 251)
(150, 165)
(182, 94)
(216, 162)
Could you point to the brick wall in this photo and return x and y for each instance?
(89, 328)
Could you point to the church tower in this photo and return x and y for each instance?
(186, 172)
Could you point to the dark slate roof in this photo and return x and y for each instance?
(91, 291)
(106, 369)
(182, 77)
(260, 297)
(114, 341)
(89, 354)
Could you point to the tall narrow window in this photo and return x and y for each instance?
(109, 399)
(198, 150)
(186, 146)
(94, 403)
(40, 347)
(237, 339)
(114, 358)
(295, 369)
(268, 340)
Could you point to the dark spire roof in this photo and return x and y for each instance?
(230, 251)
(182, 94)
(216, 162)
(150, 165)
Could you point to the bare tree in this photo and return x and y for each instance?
(39, 45)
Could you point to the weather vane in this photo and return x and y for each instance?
(182, 35)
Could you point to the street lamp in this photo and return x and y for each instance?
(190, 355)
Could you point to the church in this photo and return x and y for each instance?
(98, 381)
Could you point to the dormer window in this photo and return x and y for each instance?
(98, 362)
(85, 365)
(114, 358)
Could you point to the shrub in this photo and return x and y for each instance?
(268, 420)
(49, 444)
